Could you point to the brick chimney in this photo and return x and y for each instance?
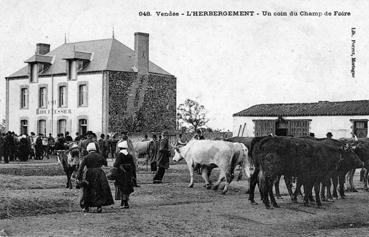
(141, 60)
(42, 48)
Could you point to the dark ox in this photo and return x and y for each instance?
(310, 161)
(362, 150)
(69, 160)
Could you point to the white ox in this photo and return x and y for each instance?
(141, 148)
(225, 155)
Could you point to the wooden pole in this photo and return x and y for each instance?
(239, 130)
(243, 130)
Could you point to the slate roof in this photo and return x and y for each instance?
(321, 108)
(107, 54)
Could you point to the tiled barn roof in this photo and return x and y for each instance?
(321, 108)
(108, 54)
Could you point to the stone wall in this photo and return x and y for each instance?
(159, 106)
(154, 100)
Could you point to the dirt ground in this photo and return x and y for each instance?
(41, 206)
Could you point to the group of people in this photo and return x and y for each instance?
(93, 181)
(24, 147)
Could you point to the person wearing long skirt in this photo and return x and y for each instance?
(124, 164)
(95, 186)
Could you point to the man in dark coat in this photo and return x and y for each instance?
(39, 149)
(102, 146)
(84, 143)
(23, 149)
(163, 158)
(9, 146)
(96, 189)
(153, 151)
(1, 146)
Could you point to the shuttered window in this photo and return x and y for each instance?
(298, 128)
(264, 127)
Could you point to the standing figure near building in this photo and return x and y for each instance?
(113, 145)
(102, 146)
(329, 135)
(131, 151)
(1, 146)
(50, 144)
(32, 145)
(88, 140)
(23, 149)
(8, 147)
(125, 166)
(96, 189)
(39, 149)
(163, 158)
(153, 151)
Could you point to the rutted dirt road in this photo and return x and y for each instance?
(171, 209)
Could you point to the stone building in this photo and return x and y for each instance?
(98, 85)
(342, 118)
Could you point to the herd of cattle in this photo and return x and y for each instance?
(312, 163)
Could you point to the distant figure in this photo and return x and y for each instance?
(163, 158)
(329, 135)
(153, 151)
(199, 135)
(146, 138)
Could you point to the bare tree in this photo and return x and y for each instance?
(192, 113)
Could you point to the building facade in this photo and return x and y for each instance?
(98, 85)
(342, 119)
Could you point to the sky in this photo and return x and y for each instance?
(226, 63)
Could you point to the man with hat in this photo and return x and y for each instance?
(163, 158)
(88, 140)
(329, 135)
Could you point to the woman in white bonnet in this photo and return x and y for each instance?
(96, 190)
(124, 178)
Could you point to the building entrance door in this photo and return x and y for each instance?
(281, 128)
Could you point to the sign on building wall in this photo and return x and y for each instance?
(56, 111)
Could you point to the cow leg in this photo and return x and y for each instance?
(362, 171)
(253, 182)
(316, 190)
(228, 177)
(190, 168)
(365, 179)
(322, 191)
(307, 192)
(220, 178)
(350, 176)
(335, 183)
(204, 174)
(297, 190)
(329, 194)
(341, 180)
(276, 186)
(265, 185)
(288, 182)
(272, 199)
(68, 179)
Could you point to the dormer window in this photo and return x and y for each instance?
(33, 72)
(39, 62)
(72, 69)
(75, 62)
